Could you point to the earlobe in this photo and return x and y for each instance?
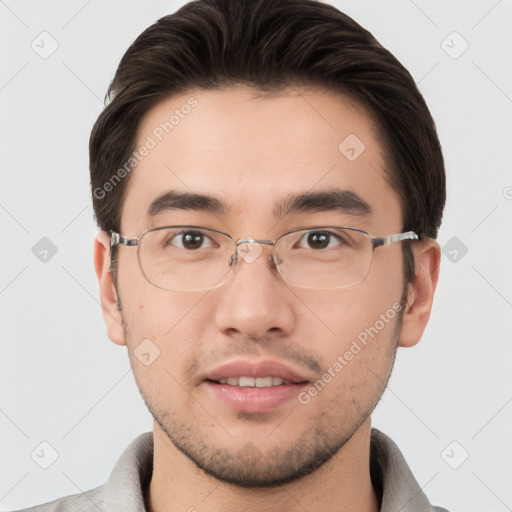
(420, 294)
(108, 293)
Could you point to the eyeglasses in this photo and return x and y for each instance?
(193, 258)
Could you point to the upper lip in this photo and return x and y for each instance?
(251, 368)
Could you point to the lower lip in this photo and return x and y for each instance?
(253, 400)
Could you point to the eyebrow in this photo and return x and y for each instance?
(339, 200)
(173, 200)
(343, 201)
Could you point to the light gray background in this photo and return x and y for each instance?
(65, 383)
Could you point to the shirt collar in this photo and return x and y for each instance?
(392, 479)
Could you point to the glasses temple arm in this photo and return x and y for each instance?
(388, 240)
(117, 239)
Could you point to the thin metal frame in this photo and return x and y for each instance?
(117, 239)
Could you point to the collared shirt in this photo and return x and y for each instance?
(124, 491)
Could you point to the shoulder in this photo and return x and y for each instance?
(393, 480)
(90, 501)
(124, 489)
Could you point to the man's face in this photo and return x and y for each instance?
(251, 155)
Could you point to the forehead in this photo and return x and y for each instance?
(251, 151)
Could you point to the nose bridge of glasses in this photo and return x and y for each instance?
(253, 241)
(249, 249)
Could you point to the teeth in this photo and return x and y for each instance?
(263, 382)
(248, 382)
(252, 382)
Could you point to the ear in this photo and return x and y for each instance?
(108, 293)
(420, 296)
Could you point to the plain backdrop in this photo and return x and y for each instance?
(64, 384)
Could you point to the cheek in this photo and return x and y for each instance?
(149, 311)
(175, 321)
(334, 317)
(164, 337)
(382, 290)
(356, 358)
(351, 333)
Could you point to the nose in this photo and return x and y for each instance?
(255, 302)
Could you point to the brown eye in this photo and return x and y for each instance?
(319, 240)
(191, 240)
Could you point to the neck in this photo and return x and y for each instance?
(342, 483)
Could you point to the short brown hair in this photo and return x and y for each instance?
(271, 45)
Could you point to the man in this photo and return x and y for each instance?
(269, 184)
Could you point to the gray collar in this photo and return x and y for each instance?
(125, 489)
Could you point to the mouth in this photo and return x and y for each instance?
(254, 382)
(254, 386)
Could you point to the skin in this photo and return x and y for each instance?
(251, 153)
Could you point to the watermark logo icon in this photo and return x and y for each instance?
(454, 249)
(454, 45)
(147, 352)
(249, 251)
(44, 455)
(45, 45)
(351, 147)
(44, 250)
(249, 453)
(455, 455)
